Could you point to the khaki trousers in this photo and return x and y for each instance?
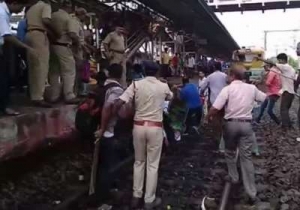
(64, 75)
(38, 67)
(147, 143)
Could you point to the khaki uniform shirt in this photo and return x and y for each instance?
(115, 42)
(150, 95)
(165, 58)
(80, 33)
(36, 14)
(64, 24)
(79, 29)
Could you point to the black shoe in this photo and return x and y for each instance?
(73, 101)
(253, 202)
(42, 104)
(156, 203)
(136, 203)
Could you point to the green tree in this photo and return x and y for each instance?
(293, 62)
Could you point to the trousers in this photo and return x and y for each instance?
(4, 82)
(108, 158)
(269, 103)
(64, 75)
(286, 103)
(147, 142)
(38, 66)
(193, 118)
(240, 135)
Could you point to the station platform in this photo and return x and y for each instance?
(34, 128)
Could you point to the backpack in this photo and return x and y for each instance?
(88, 115)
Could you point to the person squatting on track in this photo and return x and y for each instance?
(148, 96)
(190, 95)
(238, 100)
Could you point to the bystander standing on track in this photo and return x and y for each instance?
(238, 100)
(108, 156)
(215, 82)
(288, 77)
(273, 84)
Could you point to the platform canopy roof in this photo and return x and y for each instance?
(196, 17)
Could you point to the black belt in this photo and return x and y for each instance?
(61, 44)
(238, 120)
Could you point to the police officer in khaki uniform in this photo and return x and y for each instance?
(149, 95)
(79, 18)
(114, 45)
(80, 54)
(38, 25)
(64, 24)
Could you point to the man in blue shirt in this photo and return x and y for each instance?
(8, 7)
(21, 30)
(190, 95)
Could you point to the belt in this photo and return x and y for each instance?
(149, 123)
(238, 120)
(118, 51)
(61, 44)
(37, 29)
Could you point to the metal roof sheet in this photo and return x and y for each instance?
(195, 16)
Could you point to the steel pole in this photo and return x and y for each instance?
(227, 188)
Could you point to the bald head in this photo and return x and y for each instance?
(237, 72)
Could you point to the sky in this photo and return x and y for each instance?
(248, 29)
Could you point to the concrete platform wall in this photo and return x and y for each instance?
(35, 129)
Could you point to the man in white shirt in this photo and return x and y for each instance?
(215, 82)
(288, 78)
(238, 100)
(191, 65)
(8, 7)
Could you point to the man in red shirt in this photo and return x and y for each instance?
(273, 84)
(175, 63)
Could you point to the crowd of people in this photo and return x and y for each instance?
(53, 47)
(231, 100)
(56, 48)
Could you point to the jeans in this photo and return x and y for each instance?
(4, 80)
(286, 103)
(269, 103)
(193, 118)
(108, 158)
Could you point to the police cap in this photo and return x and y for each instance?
(151, 68)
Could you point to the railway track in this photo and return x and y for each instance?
(190, 170)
